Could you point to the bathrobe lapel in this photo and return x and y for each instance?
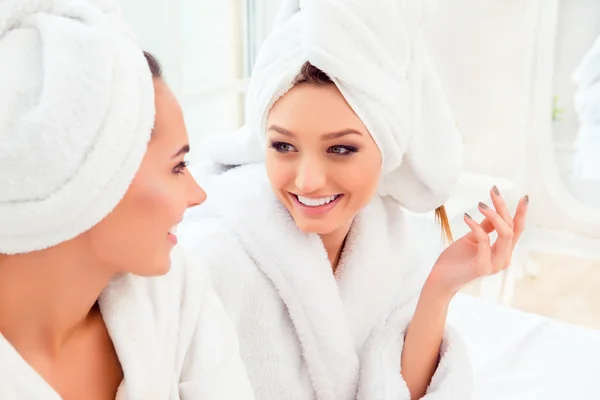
(131, 324)
(301, 274)
(377, 269)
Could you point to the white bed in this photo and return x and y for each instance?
(522, 356)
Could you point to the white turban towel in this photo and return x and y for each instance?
(374, 52)
(76, 114)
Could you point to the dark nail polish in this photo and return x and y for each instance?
(483, 206)
(468, 216)
(496, 191)
(526, 200)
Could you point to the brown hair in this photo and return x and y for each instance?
(314, 76)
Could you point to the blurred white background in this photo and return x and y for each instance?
(207, 49)
(507, 66)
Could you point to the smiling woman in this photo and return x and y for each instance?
(323, 164)
(321, 102)
(312, 208)
(137, 237)
(87, 211)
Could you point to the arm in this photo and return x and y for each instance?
(420, 355)
(469, 258)
(213, 368)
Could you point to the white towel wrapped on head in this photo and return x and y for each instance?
(375, 54)
(76, 112)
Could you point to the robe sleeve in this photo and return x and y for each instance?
(381, 378)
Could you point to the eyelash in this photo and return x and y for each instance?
(179, 168)
(277, 146)
(348, 150)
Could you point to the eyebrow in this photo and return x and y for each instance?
(331, 135)
(184, 150)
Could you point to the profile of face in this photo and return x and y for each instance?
(138, 235)
(322, 163)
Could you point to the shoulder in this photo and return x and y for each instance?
(235, 190)
(420, 230)
(419, 240)
(240, 214)
(210, 242)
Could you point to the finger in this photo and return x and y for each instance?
(487, 227)
(502, 249)
(501, 207)
(519, 219)
(482, 239)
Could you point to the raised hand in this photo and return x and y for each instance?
(473, 256)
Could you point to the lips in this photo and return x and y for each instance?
(172, 235)
(316, 206)
(316, 202)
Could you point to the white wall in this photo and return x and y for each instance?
(194, 40)
(151, 23)
(483, 51)
(200, 45)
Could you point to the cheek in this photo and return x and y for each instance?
(134, 236)
(361, 178)
(280, 172)
(152, 203)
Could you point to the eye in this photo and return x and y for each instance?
(282, 147)
(180, 168)
(342, 150)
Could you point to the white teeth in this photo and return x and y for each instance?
(316, 202)
(173, 230)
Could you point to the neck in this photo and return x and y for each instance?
(334, 244)
(46, 296)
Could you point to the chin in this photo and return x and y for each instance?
(312, 226)
(154, 268)
(162, 268)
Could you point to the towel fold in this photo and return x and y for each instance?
(375, 54)
(76, 113)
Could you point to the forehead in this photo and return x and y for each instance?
(307, 105)
(169, 123)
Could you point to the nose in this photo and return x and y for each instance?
(310, 176)
(197, 195)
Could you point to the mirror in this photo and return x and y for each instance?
(565, 32)
(576, 100)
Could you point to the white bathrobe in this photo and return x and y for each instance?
(307, 334)
(171, 334)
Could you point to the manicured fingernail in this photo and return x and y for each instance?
(496, 191)
(468, 216)
(483, 206)
(526, 199)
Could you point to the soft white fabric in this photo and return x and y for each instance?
(374, 52)
(171, 334)
(76, 112)
(305, 333)
(587, 105)
(523, 356)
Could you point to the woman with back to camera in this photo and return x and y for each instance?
(93, 178)
(332, 284)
